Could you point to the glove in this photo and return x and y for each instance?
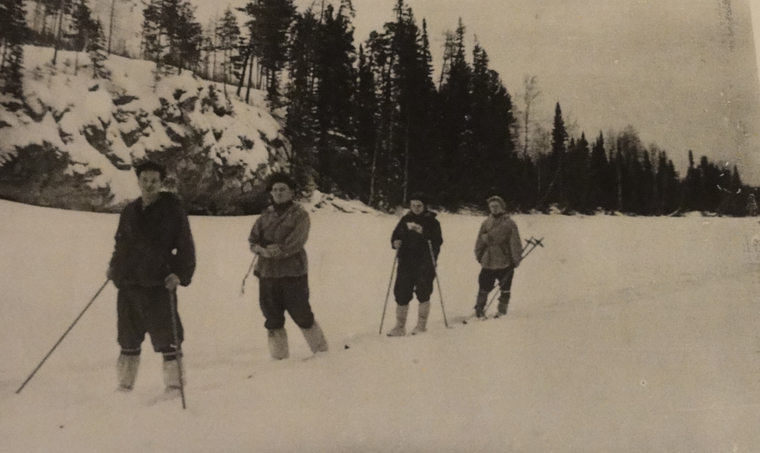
(171, 281)
(261, 251)
(274, 250)
(414, 227)
(397, 244)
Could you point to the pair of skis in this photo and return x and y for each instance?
(530, 245)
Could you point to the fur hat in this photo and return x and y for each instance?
(280, 177)
(499, 200)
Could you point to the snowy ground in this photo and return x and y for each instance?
(624, 335)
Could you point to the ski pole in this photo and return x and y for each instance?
(173, 303)
(438, 281)
(250, 268)
(388, 293)
(62, 337)
(533, 242)
(492, 298)
(536, 242)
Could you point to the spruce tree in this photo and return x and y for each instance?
(335, 88)
(555, 163)
(301, 125)
(97, 52)
(81, 29)
(272, 19)
(366, 123)
(455, 128)
(14, 37)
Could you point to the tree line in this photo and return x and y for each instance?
(374, 123)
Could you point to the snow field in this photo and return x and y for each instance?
(624, 335)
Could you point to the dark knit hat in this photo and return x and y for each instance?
(419, 196)
(280, 178)
(499, 200)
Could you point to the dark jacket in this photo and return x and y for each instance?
(414, 246)
(152, 243)
(289, 229)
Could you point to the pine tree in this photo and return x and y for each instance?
(228, 33)
(97, 52)
(555, 192)
(578, 169)
(272, 20)
(600, 178)
(495, 168)
(14, 37)
(301, 125)
(455, 128)
(154, 33)
(366, 123)
(668, 185)
(188, 37)
(335, 88)
(81, 29)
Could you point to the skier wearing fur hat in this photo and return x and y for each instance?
(498, 249)
(278, 237)
(415, 235)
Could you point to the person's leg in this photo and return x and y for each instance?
(423, 290)
(161, 320)
(296, 297)
(403, 290)
(272, 305)
(505, 286)
(485, 285)
(131, 333)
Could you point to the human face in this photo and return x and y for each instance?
(495, 207)
(150, 183)
(417, 206)
(281, 193)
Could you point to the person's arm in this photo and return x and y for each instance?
(435, 236)
(255, 242)
(185, 259)
(398, 233)
(119, 237)
(295, 241)
(515, 244)
(480, 243)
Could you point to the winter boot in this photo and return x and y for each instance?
(126, 371)
(400, 329)
(278, 344)
(503, 303)
(173, 380)
(480, 304)
(315, 338)
(424, 311)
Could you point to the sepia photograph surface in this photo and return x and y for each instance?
(379, 226)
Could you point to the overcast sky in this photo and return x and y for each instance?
(682, 72)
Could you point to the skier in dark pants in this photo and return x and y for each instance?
(278, 237)
(154, 252)
(498, 249)
(413, 237)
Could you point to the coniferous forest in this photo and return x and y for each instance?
(377, 120)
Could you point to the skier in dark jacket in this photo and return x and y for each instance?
(153, 254)
(417, 234)
(278, 238)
